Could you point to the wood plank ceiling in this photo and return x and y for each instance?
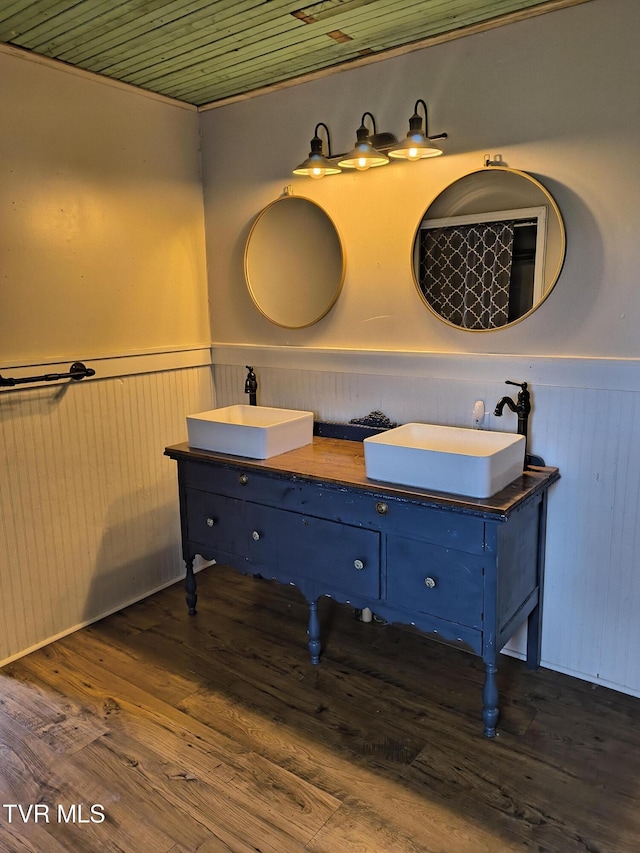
(202, 51)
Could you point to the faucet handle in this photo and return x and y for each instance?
(251, 382)
(522, 385)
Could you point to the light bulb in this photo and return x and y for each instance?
(317, 173)
(413, 154)
(362, 164)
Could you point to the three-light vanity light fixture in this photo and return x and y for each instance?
(372, 148)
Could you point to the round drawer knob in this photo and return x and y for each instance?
(429, 582)
(255, 536)
(210, 522)
(382, 508)
(243, 479)
(358, 564)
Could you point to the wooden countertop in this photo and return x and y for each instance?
(341, 462)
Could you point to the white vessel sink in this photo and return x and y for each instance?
(445, 459)
(255, 431)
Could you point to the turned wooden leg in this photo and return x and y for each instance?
(190, 588)
(490, 700)
(314, 632)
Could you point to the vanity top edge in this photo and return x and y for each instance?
(340, 462)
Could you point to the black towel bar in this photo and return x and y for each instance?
(77, 371)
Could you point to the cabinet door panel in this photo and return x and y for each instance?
(435, 580)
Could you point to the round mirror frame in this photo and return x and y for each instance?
(302, 254)
(552, 279)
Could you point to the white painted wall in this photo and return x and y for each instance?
(101, 259)
(101, 242)
(556, 96)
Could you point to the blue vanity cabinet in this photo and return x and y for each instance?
(466, 571)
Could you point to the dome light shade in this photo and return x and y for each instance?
(317, 165)
(417, 145)
(363, 156)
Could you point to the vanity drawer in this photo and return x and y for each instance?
(334, 555)
(441, 582)
(244, 484)
(229, 526)
(447, 529)
(284, 493)
(212, 520)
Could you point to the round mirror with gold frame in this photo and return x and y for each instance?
(489, 249)
(294, 263)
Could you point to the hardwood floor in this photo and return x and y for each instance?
(215, 733)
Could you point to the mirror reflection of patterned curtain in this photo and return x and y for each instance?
(465, 272)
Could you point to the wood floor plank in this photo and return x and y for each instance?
(214, 845)
(353, 830)
(138, 658)
(63, 725)
(547, 802)
(215, 733)
(234, 781)
(340, 708)
(381, 803)
(582, 743)
(33, 774)
(240, 822)
(24, 763)
(18, 838)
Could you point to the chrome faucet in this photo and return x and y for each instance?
(522, 408)
(251, 385)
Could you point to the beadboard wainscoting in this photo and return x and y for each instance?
(585, 420)
(89, 518)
